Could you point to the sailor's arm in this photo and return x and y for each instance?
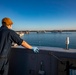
(26, 45)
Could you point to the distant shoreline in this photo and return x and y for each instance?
(45, 31)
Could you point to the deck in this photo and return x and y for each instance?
(26, 62)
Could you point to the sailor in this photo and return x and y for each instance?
(7, 36)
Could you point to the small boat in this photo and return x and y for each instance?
(21, 34)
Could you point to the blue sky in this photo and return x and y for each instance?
(40, 14)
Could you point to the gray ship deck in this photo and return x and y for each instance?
(26, 62)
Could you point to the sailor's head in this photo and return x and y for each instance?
(7, 22)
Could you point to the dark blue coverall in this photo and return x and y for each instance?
(7, 36)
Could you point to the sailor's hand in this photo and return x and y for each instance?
(35, 49)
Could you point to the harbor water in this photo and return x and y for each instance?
(28, 63)
(51, 39)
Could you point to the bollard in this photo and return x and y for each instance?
(67, 43)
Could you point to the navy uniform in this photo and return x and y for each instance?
(7, 36)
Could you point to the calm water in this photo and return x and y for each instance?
(51, 39)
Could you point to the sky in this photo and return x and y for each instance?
(40, 14)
